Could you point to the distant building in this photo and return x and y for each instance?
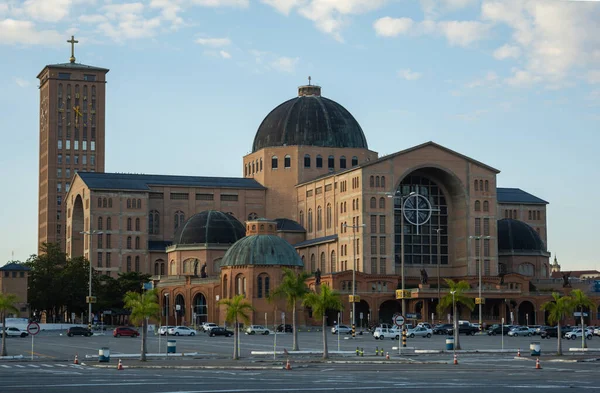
(13, 279)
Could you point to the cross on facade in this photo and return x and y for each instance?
(72, 41)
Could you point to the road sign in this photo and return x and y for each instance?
(354, 298)
(406, 294)
(479, 300)
(90, 299)
(33, 328)
(398, 320)
(107, 312)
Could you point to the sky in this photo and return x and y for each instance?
(514, 84)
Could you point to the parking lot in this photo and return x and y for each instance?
(56, 345)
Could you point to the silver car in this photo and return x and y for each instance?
(342, 329)
(420, 331)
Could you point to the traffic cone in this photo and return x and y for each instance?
(455, 359)
(288, 366)
(537, 364)
(519, 353)
(76, 361)
(387, 355)
(120, 365)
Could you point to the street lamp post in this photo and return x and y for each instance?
(439, 253)
(480, 238)
(166, 322)
(90, 233)
(455, 330)
(354, 229)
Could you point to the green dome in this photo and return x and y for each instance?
(262, 250)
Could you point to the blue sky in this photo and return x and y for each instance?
(515, 84)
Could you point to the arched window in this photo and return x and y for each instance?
(267, 286)
(129, 242)
(252, 216)
(310, 221)
(331, 162)
(313, 265)
(287, 161)
(137, 242)
(382, 203)
(343, 162)
(319, 163)
(128, 264)
(240, 285)
(103, 202)
(328, 217)
(383, 181)
(303, 262)
(246, 170)
(274, 162)
(173, 269)
(480, 185)
(377, 181)
(263, 282)
(301, 218)
(261, 164)
(486, 206)
(99, 222)
(153, 222)
(319, 218)
(162, 268)
(252, 166)
(372, 181)
(108, 224)
(137, 224)
(477, 206)
(156, 268)
(354, 161)
(526, 269)
(322, 264)
(373, 204)
(179, 219)
(476, 185)
(259, 287)
(129, 221)
(307, 160)
(137, 263)
(109, 202)
(99, 202)
(332, 267)
(139, 203)
(487, 186)
(129, 203)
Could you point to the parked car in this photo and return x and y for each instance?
(420, 331)
(425, 325)
(535, 329)
(208, 326)
(78, 331)
(220, 331)
(182, 331)
(464, 328)
(125, 331)
(382, 332)
(520, 331)
(343, 329)
(164, 330)
(254, 329)
(576, 333)
(286, 329)
(442, 328)
(15, 332)
(498, 329)
(597, 331)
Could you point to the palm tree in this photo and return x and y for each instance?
(237, 308)
(557, 309)
(142, 306)
(293, 288)
(8, 303)
(454, 297)
(325, 299)
(580, 300)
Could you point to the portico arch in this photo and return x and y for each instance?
(200, 309)
(387, 310)
(526, 313)
(180, 308)
(77, 238)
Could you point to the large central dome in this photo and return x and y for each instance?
(309, 120)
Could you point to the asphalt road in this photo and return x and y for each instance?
(53, 346)
(475, 376)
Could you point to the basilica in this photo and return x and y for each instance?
(314, 197)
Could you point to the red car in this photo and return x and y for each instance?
(125, 331)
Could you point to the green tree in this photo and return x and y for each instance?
(320, 302)
(236, 308)
(133, 281)
(558, 309)
(580, 301)
(456, 296)
(143, 306)
(8, 303)
(293, 288)
(74, 282)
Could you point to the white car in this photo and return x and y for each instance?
(597, 331)
(343, 329)
(254, 329)
(382, 332)
(207, 326)
(182, 331)
(420, 331)
(576, 333)
(14, 332)
(164, 330)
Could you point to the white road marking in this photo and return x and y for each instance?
(5, 366)
(47, 365)
(33, 365)
(18, 365)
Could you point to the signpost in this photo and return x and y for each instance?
(398, 320)
(33, 328)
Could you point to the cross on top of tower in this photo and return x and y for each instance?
(309, 80)
(72, 41)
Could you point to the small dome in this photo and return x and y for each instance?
(262, 250)
(287, 225)
(210, 227)
(309, 120)
(515, 236)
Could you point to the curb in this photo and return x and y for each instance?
(195, 367)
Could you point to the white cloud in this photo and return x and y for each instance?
(489, 80)
(409, 75)
(92, 19)
(285, 64)
(463, 33)
(523, 78)
(47, 10)
(435, 8)
(22, 82)
(392, 27)
(24, 32)
(507, 51)
(169, 10)
(225, 54)
(214, 42)
(283, 6)
(127, 21)
(593, 76)
(222, 3)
